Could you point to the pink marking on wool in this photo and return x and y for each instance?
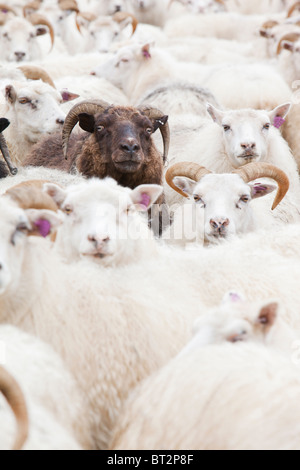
(145, 201)
(234, 297)
(44, 227)
(146, 54)
(278, 121)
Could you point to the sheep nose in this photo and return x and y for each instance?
(99, 242)
(130, 146)
(20, 56)
(60, 121)
(219, 224)
(248, 145)
(118, 8)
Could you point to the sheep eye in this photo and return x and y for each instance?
(267, 126)
(198, 200)
(68, 210)
(149, 130)
(244, 199)
(24, 100)
(226, 128)
(100, 128)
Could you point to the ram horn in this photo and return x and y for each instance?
(154, 113)
(69, 5)
(187, 169)
(252, 171)
(4, 149)
(90, 107)
(294, 7)
(32, 72)
(291, 37)
(88, 16)
(31, 8)
(122, 15)
(15, 398)
(37, 19)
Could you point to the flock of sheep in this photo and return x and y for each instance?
(149, 224)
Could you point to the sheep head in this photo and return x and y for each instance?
(123, 134)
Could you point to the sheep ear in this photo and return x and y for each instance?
(277, 115)
(68, 96)
(56, 192)
(4, 123)
(146, 51)
(159, 123)
(233, 297)
(290, 46)
(185, 184)
(216, 115)
(87, 122)
(43, 221)
(261, 189)
(41, 31)
(145, 195)
(10, 94)
(267, 316)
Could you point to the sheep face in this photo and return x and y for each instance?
(235, 320)
(123, 137)
(14, 228)
(103, 32)
(16, 225)
(101, 219)
(247, 132)
(35, 106)
(19, 41)
(223, 201)
(143, 5)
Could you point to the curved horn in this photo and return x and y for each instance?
(15, 398)
(122, 15)
(36, 19)
(292, 37)
(31, 7)
(154, 113)
(33, 72)
(88, 16)
(6, 156)
(189, 170)
(90, 107)
(69, 5)
(294, 7)
(252, 171)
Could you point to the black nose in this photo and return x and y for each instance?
(130, 148)
(20, 56)
(118, 8)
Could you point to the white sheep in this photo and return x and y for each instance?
(55, 406)
(220, 205)
(240, 396)
(33, 109)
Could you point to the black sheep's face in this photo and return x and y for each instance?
(123, 139)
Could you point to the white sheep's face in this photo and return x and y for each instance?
(247, 132)
(143, 5)
(203, 6)
(123, 65)
(236, 320)
(101, 219)
(18, 41)
(102, 33)
(15, 226)
(35, 106)
(224, 201)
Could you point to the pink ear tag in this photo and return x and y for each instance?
(146, 54)
(234, 297)
(145, 201)
(278, 121)
(44, 227)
